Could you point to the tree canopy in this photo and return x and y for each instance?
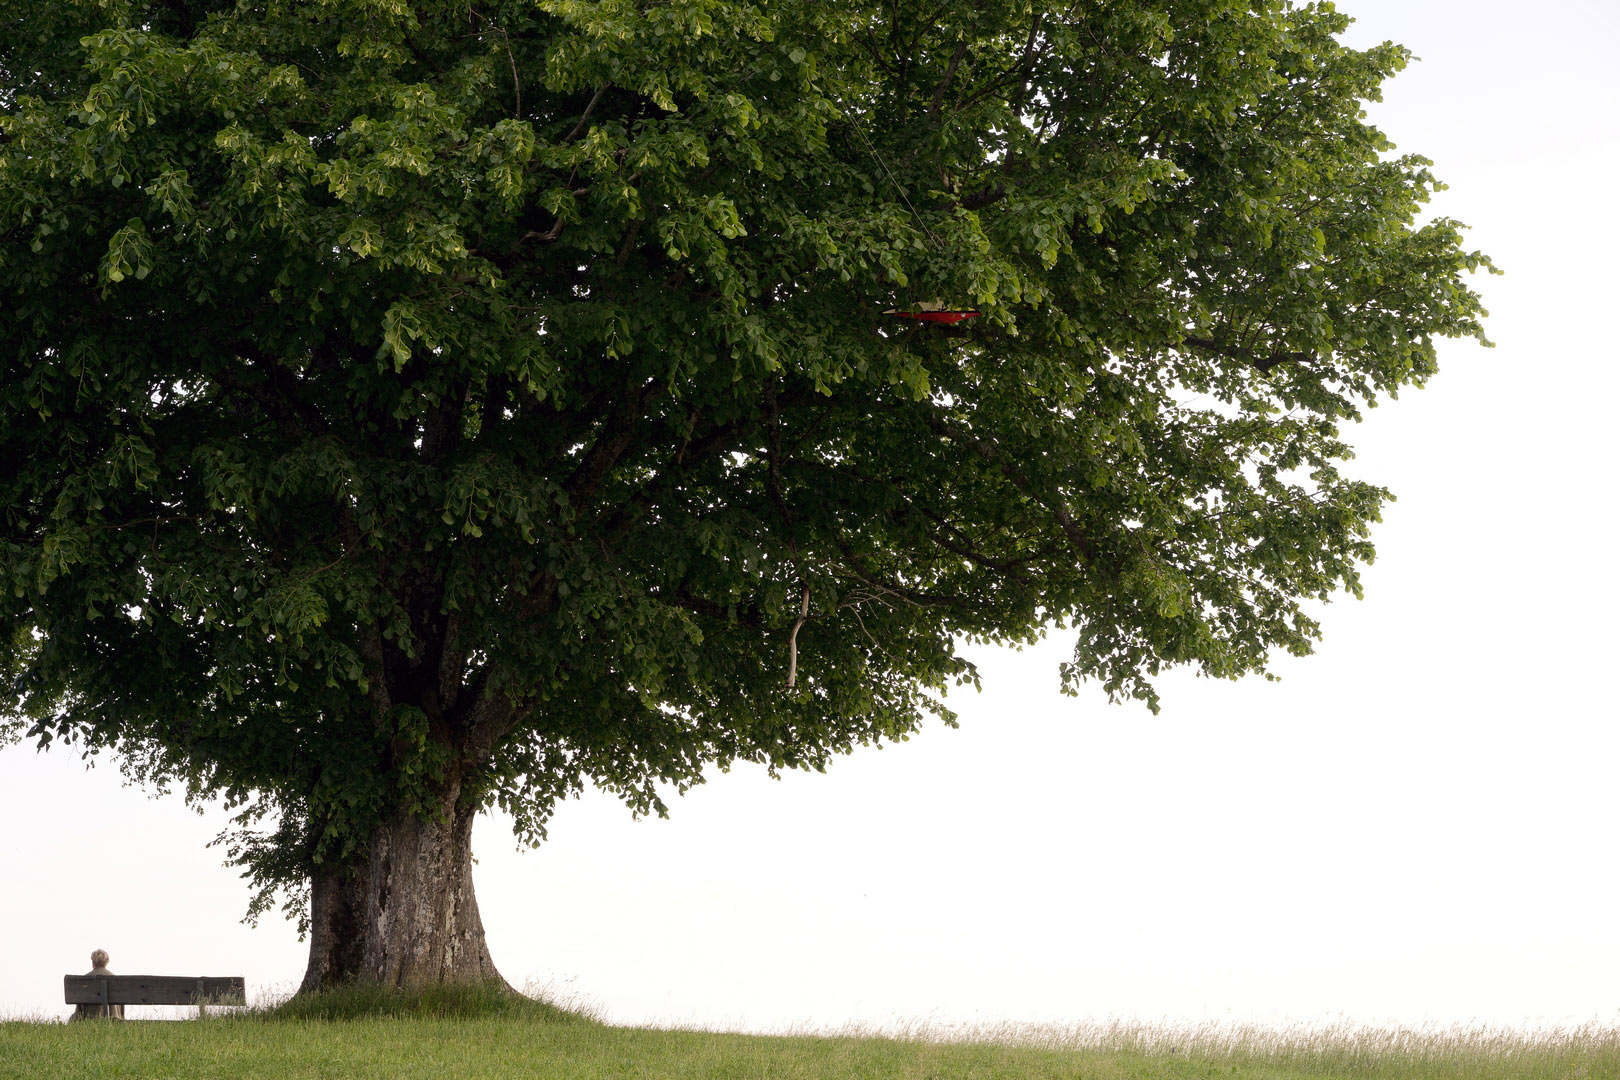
(415, 407)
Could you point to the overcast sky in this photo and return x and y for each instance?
(1416, 825)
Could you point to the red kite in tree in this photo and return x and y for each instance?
(935, 312)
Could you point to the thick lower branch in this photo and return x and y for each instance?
(1258, 361)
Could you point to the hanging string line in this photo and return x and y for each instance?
(892, 181)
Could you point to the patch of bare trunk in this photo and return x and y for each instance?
(337, 928)
(422, 926)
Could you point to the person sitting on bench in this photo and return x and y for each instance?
(98, 966)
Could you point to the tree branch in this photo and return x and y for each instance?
(492, 719)
(687, 600)
(617, 434)
(1009, 567)
(983, 197)
(793, 640)
(1020, 480)
(1247, 356)
(950, 73)
(915, 598)
(722, 438)
(1022, 69)
(579, 128)
(296, 416)
(517, 87)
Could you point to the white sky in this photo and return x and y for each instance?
(1416, 825)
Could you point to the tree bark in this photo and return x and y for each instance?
(422, 926)
(337, 922)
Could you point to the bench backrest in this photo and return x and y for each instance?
(154, 989)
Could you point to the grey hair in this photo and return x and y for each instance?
(99, 958)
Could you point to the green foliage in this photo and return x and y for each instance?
(412, 402)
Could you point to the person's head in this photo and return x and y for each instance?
(99, 958)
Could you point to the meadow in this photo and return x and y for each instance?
(383, 1036)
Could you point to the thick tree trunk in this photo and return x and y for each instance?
(422, 925)
(337, 928)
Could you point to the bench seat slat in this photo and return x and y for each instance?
(154, 989)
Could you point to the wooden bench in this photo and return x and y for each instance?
(201, 990)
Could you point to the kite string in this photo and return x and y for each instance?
(884, 165)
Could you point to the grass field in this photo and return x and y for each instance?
(461, 1036)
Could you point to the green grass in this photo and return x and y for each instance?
(381, 1035)
(360, 1002)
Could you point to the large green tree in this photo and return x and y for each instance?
(410, 408)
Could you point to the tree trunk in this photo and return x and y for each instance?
(337, 928)
(422, 926)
